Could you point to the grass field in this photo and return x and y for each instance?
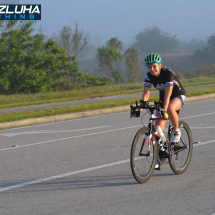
(84, 107)
(19, 100)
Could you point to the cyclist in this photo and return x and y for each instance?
(171, 93)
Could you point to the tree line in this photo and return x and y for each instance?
(150, 40)
(112, 56)
(31, 64)
(34, 63)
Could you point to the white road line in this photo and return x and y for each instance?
(49, 132)
(62, 175)
(48, 141)
(76, 172)
(203, 143)
(194, 128)
(205, 114)
(67, 138)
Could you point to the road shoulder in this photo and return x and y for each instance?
(84, 114)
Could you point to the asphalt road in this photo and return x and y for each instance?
(94, 100)
(82, 167)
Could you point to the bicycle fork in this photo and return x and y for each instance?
(149, 143)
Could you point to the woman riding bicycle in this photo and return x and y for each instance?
(172, 94)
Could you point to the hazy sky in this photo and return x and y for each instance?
(125, 18)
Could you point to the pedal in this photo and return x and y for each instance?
(164, 154)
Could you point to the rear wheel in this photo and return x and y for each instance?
(143, 155)
(181, 153)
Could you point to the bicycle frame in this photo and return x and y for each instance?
(152, 130)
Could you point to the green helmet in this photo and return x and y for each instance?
(152, 58)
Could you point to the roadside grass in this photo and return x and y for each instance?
(19, 100)
(85, 107)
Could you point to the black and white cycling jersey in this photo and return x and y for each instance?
(166, 78)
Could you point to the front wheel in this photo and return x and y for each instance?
(181, 153)
(143, 155)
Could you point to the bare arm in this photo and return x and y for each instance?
(146, 93)
(168, 93)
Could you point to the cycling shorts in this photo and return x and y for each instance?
(182, 99)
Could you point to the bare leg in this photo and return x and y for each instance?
(174, 106)
(161, 123)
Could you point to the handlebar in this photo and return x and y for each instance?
(145, 105)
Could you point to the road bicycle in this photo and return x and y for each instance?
(144, 147)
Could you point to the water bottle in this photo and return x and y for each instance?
(161, 141)
(160, 133)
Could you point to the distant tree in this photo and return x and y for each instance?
(155, 40)
(206, 55)
(132, 58)
(65, 34)
(110, 57)
(203, 56)
(86, 50)
(191, 46)
(73, 41)
(211, 42)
